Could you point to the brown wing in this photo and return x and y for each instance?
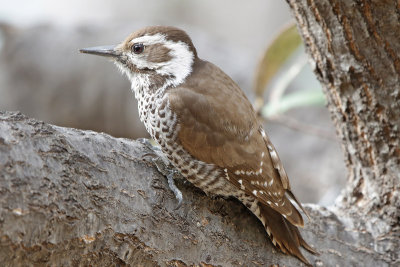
(218, 125)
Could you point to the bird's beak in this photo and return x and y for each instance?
(105, 51)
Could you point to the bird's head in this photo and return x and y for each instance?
(164, 53)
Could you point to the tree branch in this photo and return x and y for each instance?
(70, 197)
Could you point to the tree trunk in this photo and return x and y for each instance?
(354, 47)
(355, 50)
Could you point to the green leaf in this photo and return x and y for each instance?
(275, 56)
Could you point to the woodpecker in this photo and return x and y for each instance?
(207, 128)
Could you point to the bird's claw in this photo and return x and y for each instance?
(148, 144)
(174, 188)
(155, 151)
(144, 141)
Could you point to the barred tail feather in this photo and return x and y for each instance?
(283, 234)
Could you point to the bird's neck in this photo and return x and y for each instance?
(149, 84)
(149, 90)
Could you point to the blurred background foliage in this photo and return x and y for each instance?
(43, 75)
(284, 61)
(276, 54)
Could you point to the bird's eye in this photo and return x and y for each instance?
(137, 48)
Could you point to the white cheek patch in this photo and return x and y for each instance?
(179, 66)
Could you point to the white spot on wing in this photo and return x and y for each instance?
(263, 133)
(226, 174)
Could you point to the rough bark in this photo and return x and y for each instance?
(354, 47)
(70, 197)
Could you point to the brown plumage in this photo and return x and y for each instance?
(208, 129)
(230, 136)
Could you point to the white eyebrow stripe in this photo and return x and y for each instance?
(149, 39)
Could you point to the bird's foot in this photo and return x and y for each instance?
(174, 188)
(164, 167)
